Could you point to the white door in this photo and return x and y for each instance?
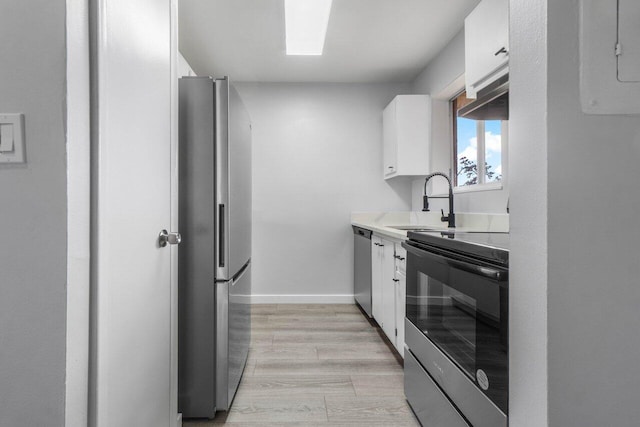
(131, 377)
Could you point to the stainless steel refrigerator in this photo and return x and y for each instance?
(215, 253)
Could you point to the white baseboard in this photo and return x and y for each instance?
(302, 299)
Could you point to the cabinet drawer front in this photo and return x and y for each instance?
(477, 407)
(428, 402)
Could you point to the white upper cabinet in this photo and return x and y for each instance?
(406, 123)
(486, 41)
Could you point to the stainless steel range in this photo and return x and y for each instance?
(456, 328)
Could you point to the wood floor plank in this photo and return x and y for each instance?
(250, 367)
(315, 318)
(295, 386)
(362, 351)
(328, 307)
(259, 338)
(352, 315)
(346, 308)
(277, 410)
(364, 409)
(283, 352)
(378, 385)
(263, 308)
(321, 337)
(314, 326)
(326, 367)
(258, 318)
(292, 310)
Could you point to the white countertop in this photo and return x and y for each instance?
(381, 222)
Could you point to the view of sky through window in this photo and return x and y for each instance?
(467, 150)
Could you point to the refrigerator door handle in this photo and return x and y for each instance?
(235, 279)
(221, 236)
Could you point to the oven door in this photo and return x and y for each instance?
(461, 305)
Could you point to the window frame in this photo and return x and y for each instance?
(481, 151)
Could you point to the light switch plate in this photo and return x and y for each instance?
(12, 128)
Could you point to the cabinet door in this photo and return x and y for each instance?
(401, 258)
(413, 128)
(388, 290)
(407, 136)
(486, 39)
(376, 278)
(390, 140)
(401, 295)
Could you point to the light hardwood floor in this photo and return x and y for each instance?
(317, 365)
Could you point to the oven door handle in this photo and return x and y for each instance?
(487, 272)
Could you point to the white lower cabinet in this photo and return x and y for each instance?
(376, 277)
(401, 294)
(400, 257)
(388, 288)
(388, 291)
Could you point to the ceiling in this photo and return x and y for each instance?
(367, 40)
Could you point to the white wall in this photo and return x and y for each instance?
(575, 238)
(528, 217)
(33, 217)
(78, 213)
(442, 79)
(317, 156)
(593, 244)
(184, 69)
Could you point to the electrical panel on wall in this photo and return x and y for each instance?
(628, 47)
(610, 56)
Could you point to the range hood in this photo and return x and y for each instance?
(492, 102)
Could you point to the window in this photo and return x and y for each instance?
(477, 148)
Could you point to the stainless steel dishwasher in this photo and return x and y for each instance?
(362, 268)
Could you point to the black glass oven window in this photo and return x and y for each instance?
(448, 318)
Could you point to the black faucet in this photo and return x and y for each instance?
(451, 218)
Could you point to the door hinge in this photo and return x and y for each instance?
(396, 331)
(618, 49)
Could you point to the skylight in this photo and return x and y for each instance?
(306, 25)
